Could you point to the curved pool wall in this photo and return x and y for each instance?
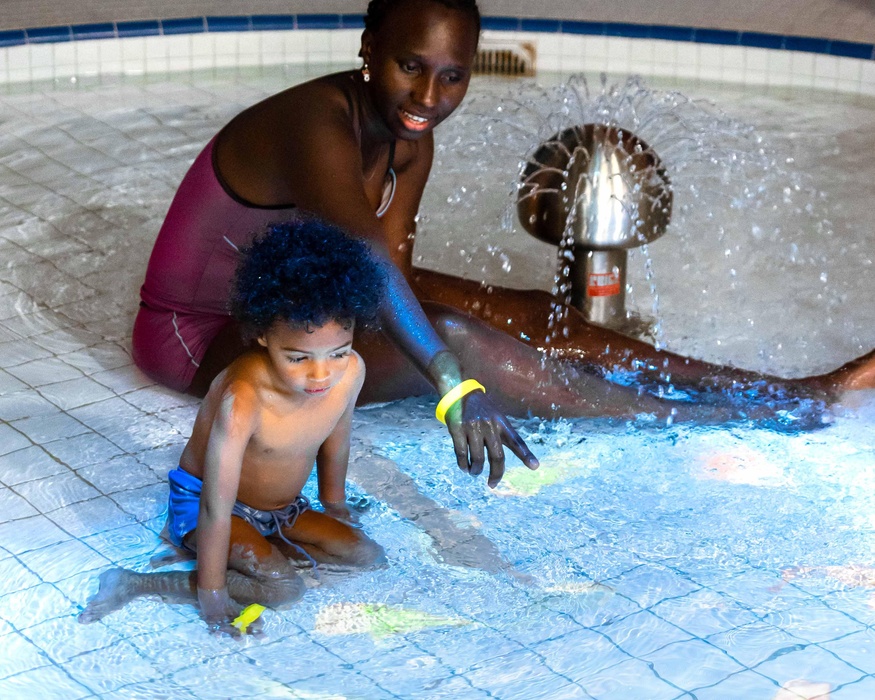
(155, 46)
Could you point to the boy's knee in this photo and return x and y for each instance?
(284, 590)
(281, 585)
(272, 582)
(366, 552)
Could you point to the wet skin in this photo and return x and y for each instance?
(419, 61)
(333, 163)
(267, 418)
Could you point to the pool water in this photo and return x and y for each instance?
(638, 562)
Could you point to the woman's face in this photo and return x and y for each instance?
(420, 64)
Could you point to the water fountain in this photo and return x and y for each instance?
(595, 191)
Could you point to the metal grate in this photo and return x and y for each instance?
(513, 60)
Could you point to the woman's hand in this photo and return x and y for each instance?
(479, 430)
(219, 611)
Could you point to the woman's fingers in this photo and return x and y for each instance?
(518, 446)
(480, 434)
(496, 455)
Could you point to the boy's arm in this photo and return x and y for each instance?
(332, 460)
(233, 426)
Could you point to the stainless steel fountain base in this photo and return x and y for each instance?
(597, 190)
(598, 286)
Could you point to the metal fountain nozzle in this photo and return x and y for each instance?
(596, 190)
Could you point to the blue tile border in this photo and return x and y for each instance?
(15, 37)
(717, 36)
(352, 21)
(504, 24)
(628, 31)
(762, 41)
(93, 31)
(318, 21)
(591, 28)
(673, 33)
(139, 28)
(797, 43)
(48, 35)
(262, 23)
(541, 25)
(851, 50)
(243, 23)
(191, 25)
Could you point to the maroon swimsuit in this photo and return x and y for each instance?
(191, 270)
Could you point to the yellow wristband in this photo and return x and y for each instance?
(453, 395)
(249, 615)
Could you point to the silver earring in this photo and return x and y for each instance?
(366, 74)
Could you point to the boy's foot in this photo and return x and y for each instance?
(116, 589)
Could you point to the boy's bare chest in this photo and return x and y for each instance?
(283, 433)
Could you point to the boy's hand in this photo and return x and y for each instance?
(474, 423)
(341, 511)
(219, 611)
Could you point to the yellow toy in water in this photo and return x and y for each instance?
(249, 615)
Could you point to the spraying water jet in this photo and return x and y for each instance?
(595, 191)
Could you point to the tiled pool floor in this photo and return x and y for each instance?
(661, 562)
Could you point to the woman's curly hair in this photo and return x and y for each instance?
(306, 272)
(378, 9)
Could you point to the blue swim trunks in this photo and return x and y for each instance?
(184, 505)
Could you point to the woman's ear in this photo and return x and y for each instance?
(261, 341)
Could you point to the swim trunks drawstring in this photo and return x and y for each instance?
(287, 520)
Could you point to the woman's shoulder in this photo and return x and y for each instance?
(335, 89)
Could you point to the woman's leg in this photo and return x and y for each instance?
(524, 314)
(523, 381)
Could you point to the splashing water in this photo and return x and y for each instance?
(742, 213)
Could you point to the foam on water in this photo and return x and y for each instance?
(638, 562)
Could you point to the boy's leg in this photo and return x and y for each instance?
(258, 573)
(330, 541)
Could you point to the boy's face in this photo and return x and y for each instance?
(309, 360)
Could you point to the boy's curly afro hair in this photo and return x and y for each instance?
(306, 272)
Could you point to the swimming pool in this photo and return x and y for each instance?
(637, 563)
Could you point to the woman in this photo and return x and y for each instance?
(356, 149)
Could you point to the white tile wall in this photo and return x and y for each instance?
(565, 53)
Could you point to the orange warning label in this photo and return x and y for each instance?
(603, 284)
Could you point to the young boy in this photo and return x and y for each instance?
(283, 405)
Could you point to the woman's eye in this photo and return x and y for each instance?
(409, 67)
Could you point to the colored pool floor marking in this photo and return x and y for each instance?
(378, 620)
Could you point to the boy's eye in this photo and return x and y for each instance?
(296, 360)
(340, 355)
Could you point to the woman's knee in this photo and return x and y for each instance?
(447, 322)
